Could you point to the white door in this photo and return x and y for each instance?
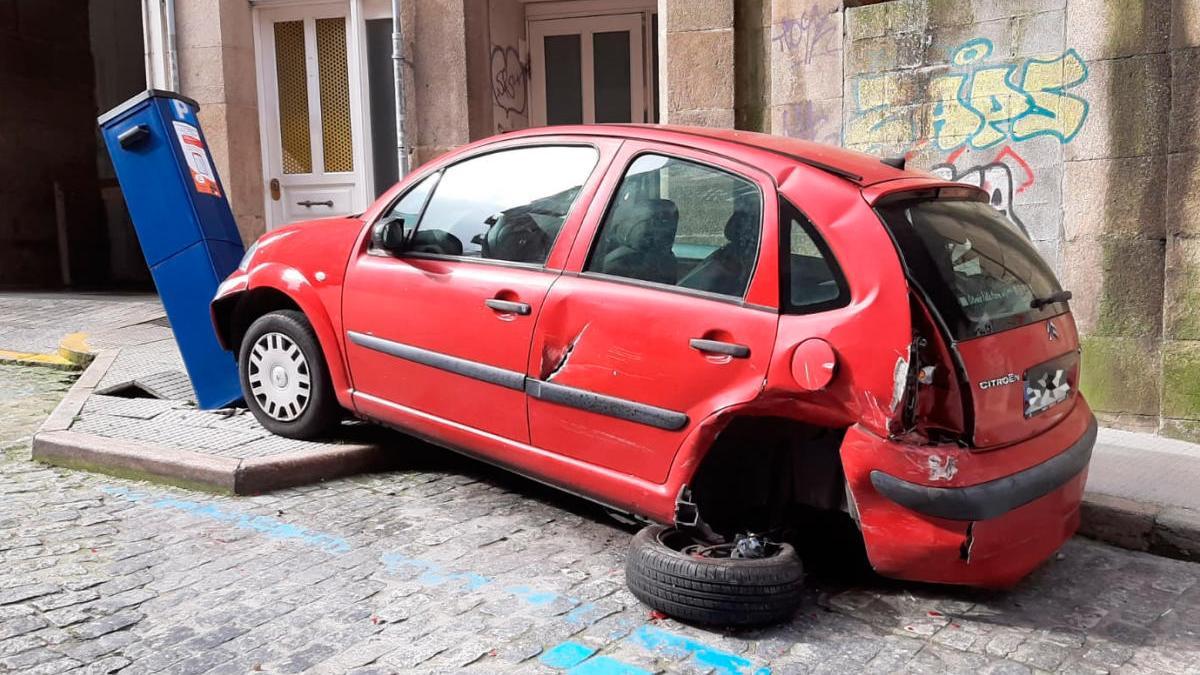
(587, 70)
(310, 116)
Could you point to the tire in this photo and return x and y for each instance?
(313, 409)
(713, 591)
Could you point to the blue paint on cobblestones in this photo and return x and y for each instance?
(533, 597)
(648, 637)
(433, 574)
(266, 525)
(566, 654)
(677, 646)
(605, 665)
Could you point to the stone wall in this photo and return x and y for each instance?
(1081, 117)
(215, 42)
(696, 48)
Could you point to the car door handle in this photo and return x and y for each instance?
(733, 349)
(507, 306)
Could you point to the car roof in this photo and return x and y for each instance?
(857, 167)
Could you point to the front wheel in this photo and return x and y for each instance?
(284, 378)
(669, 572)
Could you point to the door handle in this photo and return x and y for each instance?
(733, 349)
(507, 306)
(308, 203)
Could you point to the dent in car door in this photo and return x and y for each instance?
(634, 351)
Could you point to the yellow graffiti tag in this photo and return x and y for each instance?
(979, 106)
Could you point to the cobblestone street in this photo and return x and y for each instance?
(445, 564)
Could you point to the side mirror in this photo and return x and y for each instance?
(389, 235)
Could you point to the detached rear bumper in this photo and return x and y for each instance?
(945, 514)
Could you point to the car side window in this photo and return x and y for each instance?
(506, 205)
(681, 223)
(814, 280)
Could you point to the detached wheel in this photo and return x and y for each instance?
(669, 572)
(284, 378)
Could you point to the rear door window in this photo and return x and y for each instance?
(979, 272)
(682, 224)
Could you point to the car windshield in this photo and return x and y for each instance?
(980, 273)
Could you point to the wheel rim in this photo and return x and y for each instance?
(279, 377)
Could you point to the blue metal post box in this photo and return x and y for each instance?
(183, 223)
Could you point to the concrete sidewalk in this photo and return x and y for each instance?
(1141, 491)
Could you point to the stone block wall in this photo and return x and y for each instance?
(217, 68)
(1081, 117)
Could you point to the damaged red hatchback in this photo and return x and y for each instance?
(716, 331)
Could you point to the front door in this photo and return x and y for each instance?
(310, 113)
(444, 327)
(588, 70)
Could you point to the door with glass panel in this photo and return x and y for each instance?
(588, 70)
(311, 122)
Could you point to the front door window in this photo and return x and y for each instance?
(588, 70)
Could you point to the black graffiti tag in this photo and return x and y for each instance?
(508, 80)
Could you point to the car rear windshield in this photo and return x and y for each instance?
(980, 273)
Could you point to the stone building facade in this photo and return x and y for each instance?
(1081, 117)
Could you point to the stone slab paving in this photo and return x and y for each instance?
(37, 322)
(447, 565)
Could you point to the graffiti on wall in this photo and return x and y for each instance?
(976, 105)
(807, 36)
(509, 77)
(996, 177)
(805, 120)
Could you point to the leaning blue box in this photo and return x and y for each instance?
(183, 223)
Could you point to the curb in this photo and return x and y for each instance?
(56, 445)
(1168, 531)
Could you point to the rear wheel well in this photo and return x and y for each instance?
(233, 319)
(761, 472)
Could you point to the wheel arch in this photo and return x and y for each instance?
(796, 462)
(267, 291)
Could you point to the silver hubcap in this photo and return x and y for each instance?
(279, 376)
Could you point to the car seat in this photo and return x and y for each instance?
(516, 238)
(643, 243)
(727, 269)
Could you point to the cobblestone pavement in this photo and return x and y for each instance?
(445, 565)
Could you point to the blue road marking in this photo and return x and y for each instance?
(566, 654)
(605, 665)
(646, 636)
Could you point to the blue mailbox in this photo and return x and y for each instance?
(183, 223)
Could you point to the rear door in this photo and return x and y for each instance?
(648, 332)
(1002, 307)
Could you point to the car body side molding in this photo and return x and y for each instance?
(993, 498)
(510, 379)
(582, 399)
(601, 404)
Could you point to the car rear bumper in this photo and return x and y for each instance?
(946, 514)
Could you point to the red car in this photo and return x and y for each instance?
(715, 331)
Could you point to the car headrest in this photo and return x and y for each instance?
(649, 226)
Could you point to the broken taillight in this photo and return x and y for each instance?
(933, 405)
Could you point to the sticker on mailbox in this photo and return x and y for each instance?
(203, 175)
